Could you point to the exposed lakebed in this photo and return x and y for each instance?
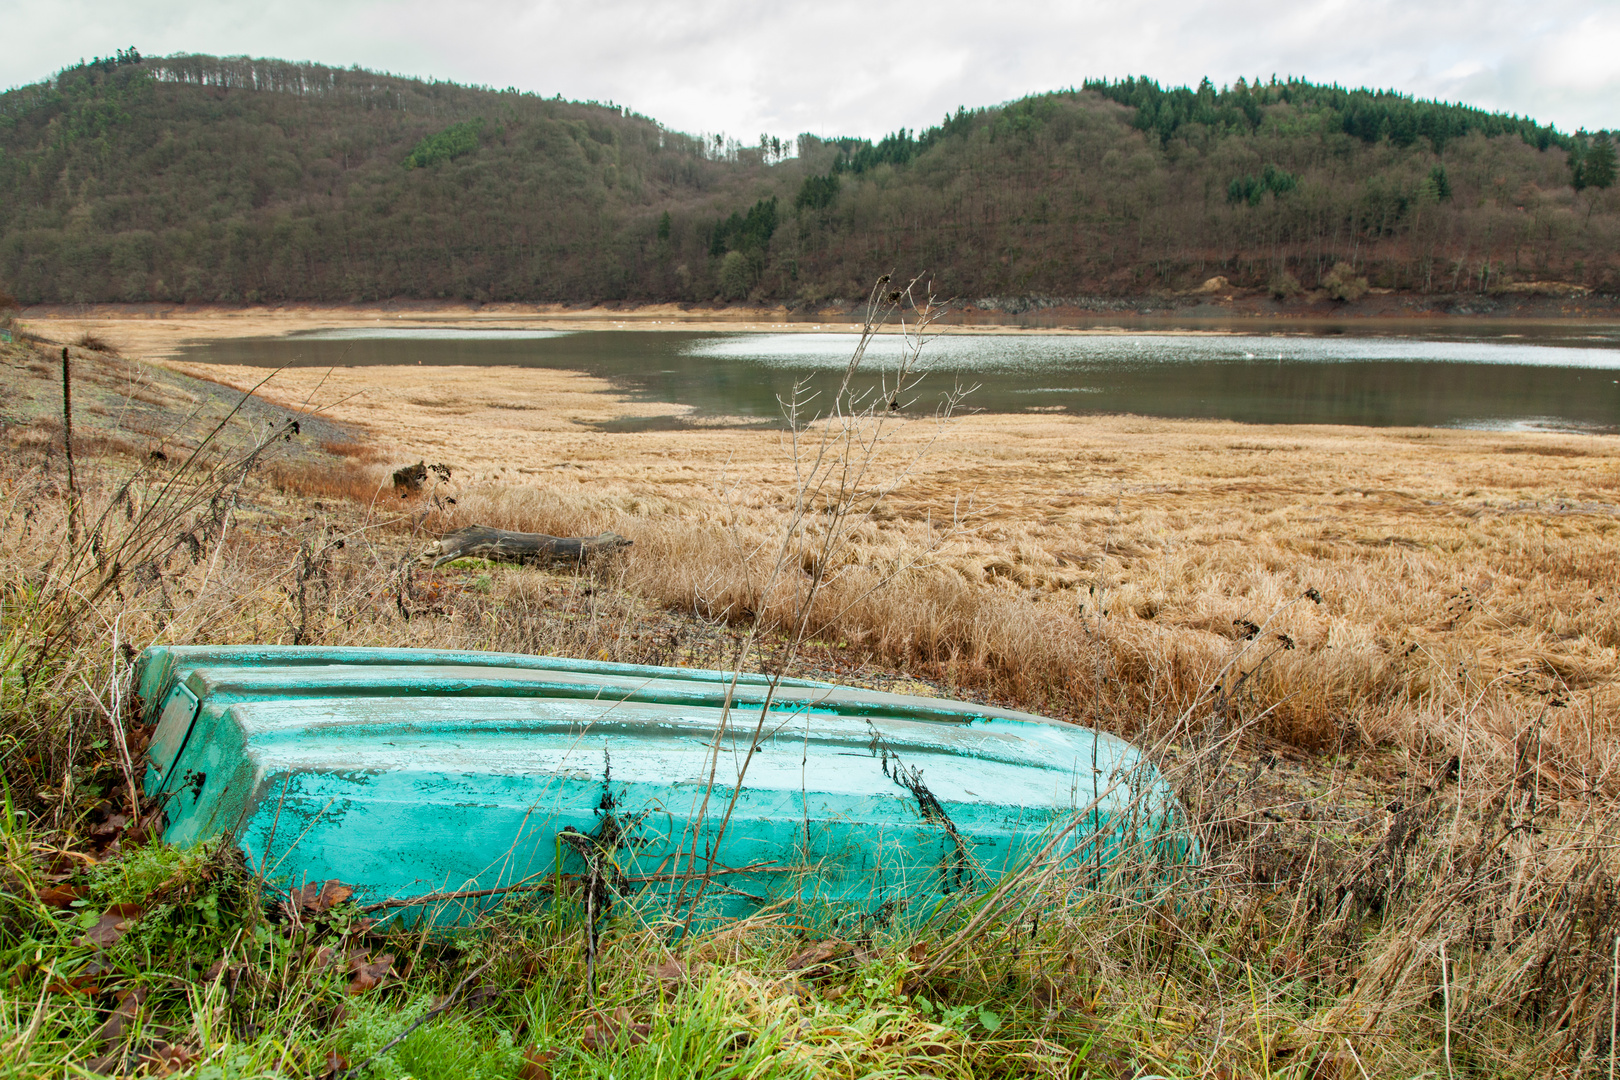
(1556, 378)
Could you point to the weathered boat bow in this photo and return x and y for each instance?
(409, 773)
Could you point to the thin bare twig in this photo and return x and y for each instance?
(437, 1010)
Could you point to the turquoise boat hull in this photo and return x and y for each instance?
(432, 780)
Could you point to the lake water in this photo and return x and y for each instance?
(1559, 378)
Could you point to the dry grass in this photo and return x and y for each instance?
(96, 343)
(1108, 568)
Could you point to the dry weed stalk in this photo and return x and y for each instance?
(841, 479)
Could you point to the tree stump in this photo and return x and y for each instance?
(499, 545)
(408, 480)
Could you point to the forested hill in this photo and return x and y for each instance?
(198, 179)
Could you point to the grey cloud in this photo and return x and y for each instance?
(864, 68)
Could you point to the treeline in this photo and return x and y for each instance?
(201, 179)
(1369, 115)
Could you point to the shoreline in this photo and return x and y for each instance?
(515, 406)
(161, 330)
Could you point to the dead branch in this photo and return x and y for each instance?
(499, 545)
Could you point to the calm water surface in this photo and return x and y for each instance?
(1563, 378)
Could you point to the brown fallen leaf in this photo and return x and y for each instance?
(605, 1031)
(164, 1059)
(367, 973)
(325, 957)
(317, 897)
(536, 1063)
(110, 827)
(107, 1064)
(332, 893)
(230, 975)
(816, 961)
(671, 971)
(112, 925)
(123, 1014)
(58, 896)
(336, 1065)
(87, 980)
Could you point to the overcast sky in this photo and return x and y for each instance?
(863, 67)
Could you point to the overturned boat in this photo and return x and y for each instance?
(435, 783)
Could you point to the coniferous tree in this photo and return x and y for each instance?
(1439, 183)
(1598, 167)
(1577, 160)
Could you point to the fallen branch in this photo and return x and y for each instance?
(480, 541)
(463, 894)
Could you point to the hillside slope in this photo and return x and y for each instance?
(199, 179)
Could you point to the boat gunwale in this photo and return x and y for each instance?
(348, 682)
(156, 665)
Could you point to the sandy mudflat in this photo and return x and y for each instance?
(161, 331)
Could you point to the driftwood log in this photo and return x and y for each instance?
(499, 545)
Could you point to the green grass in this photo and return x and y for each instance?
(1091, 988)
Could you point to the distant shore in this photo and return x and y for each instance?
(161, 329)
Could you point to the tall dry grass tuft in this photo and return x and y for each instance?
(361, 483)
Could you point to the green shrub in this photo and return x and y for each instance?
(736, 276)
(1342, 283)
(452, 142)
(1283, 285)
